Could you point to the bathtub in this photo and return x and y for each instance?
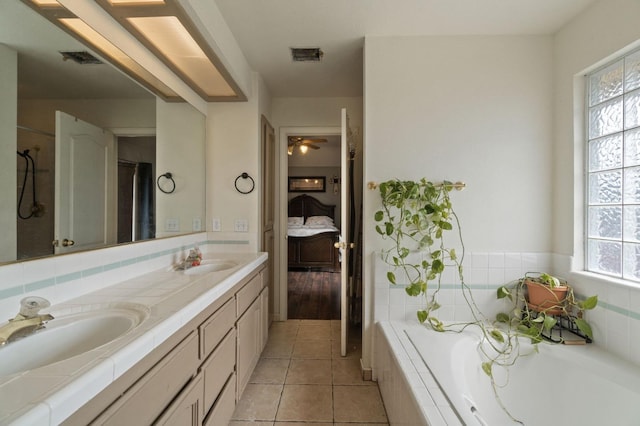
(595, 388)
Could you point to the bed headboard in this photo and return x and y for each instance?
(305, 205)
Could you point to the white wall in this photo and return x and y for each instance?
(604, 30)
(233, 137)
(180, 147)
(8, 120)
(475, 109)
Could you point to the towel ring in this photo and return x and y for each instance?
(168, 176)
(245, 175)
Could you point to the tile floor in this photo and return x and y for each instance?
(302, 379)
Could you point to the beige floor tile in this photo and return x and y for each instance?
(304, 424)
(320, 323)
(356, 424)
(314, 332)
(309, 372)
(346, 371)
(270, 371)
(312, 349)
(258, 402)
(243, 423)
(358, 404)
(353, 349)
(278, 348)
(302, 403)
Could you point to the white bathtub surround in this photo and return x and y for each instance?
(615, 321)
(49, 394)
(449, 364)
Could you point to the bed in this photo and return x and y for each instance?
(312, 234)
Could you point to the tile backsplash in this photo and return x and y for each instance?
(63, 277)
(615, 322)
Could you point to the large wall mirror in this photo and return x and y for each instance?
(82, 146)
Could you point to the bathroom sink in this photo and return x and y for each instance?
(69, 335)
(210, 265)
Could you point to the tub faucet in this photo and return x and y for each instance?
(27, 320)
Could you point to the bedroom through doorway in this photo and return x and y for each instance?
(314, 210)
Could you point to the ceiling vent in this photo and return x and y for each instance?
(82, 58)
(306, 54)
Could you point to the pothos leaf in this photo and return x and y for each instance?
(502, 317)
(497, 335)
(486, 367)
(422, 316)
(549, 322)
(589, 303)
(391, 277)
(503, 292)
(379, 216)
(584, 327)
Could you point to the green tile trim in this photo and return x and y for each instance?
(601, 304)
(222, 242)
(68, 277)
(51, 281)
(10, 292)
(39, 285)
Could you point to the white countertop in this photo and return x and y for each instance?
(49, 394)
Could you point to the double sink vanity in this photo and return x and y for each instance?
(167, 347)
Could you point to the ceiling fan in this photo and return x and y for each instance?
(303, 144)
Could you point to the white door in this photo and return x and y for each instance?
(345, 244)
(84, 186)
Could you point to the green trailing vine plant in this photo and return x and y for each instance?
(417, 217)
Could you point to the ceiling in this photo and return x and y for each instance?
(267, 29)
(42, 72)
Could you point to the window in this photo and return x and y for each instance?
(613, 162)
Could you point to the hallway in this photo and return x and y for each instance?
(302, 379)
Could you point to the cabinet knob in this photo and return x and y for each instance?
(67, 243)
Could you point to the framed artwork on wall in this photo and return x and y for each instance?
(307, 184)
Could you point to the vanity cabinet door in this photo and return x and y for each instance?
(149, 397)
(264, 320)
(225, 405)
(217, 369)
(249, 343)
(186, 410)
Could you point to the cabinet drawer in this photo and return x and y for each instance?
(185, 409)
(246, 295)
(215, 327)
(149, 397)
(222, 411)
(217, 369)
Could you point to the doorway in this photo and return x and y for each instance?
(333, 181)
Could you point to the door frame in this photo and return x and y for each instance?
(281, 199)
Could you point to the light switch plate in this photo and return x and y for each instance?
(172, 225)
(241, 225)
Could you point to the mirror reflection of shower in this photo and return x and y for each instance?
(35, 208)
(35, 161)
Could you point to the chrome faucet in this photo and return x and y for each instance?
(27, 320)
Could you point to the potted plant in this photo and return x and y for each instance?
(415, 218)
(540, 300)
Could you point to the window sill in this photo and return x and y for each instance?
(605, 280)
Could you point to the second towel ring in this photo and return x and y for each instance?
(245, 175)
(168, 176)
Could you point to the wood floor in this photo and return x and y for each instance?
(314, 295)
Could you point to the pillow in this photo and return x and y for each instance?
(319, 221)
(296, 221)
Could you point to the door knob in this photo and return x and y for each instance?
(67, 243)
(340, 245)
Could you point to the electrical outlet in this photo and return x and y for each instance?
(197, 224)
(216, 225)
(172, 225)
(241, 225)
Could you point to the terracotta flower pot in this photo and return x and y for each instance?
(543, 298)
